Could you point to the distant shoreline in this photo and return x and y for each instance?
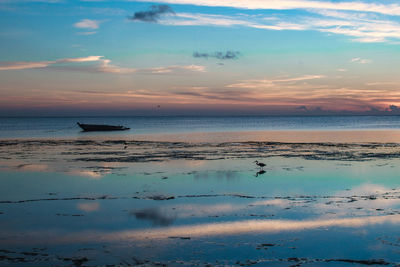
(200, 116)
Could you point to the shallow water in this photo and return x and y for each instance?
(65, 203)
(66, 127)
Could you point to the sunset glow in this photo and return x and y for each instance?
(180, 56)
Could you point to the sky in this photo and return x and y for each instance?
(211, 57)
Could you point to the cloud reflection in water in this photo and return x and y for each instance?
(249, 227)
(155, 215)
(88, 207)
(197, 231)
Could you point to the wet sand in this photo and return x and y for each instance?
(34, 151)
(282, 136)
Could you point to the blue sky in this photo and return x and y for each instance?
(179, 56)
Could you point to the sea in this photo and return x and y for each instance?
(66, 127)
(328, 195)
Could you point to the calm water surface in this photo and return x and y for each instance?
(110, 203)
(202, 212)
(66, 127)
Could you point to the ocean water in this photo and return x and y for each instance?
(82, 201)
(63, 127)
(200, 213)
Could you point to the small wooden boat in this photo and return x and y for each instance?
(101, 127)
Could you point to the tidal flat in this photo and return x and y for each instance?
(71, 202)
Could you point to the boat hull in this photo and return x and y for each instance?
(101, 127)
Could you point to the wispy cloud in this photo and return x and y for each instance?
(107, 67)
(317, 96)
(264, 83)
(87, 24)
(360, 60)
(363, 22)
(311, 91)
(195, 19)
(362, 27)
(218, 55)
(366, 22)
(107, 11)
(42, 64)
(32, 1)
(103, 66)
(380, 8)
(153, 14)
(87, 33)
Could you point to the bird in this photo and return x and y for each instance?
(260, 164)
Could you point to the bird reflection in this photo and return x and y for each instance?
(260, 172)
